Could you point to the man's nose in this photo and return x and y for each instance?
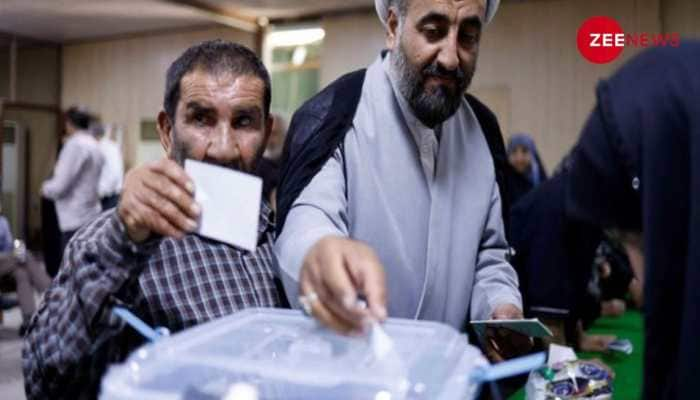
(448, 57)
(223, 145)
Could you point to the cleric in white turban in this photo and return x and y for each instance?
(389, 189)
(383, 6)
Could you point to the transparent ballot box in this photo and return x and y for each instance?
(283, 354)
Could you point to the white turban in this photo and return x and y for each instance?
(382, 7)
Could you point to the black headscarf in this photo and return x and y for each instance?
(637, 167)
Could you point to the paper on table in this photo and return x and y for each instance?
(559, 354)
(230, 202)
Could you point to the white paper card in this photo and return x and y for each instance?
(230, 202)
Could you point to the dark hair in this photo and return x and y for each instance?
(78, 117)
(214, 56)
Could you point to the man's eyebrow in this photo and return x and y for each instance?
(433, 17)
(198, 107)
(250, 110)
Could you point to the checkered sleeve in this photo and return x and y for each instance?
(73, 336)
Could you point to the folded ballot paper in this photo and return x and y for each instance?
(230, 203)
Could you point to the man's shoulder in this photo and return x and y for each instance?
(82, 143)
(330, 108)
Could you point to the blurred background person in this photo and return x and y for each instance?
(5, 246)
(113, 170)
(21, 266)
(74, 184)
(528, 170)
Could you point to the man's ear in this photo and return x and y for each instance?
(269, 123)
(165, 127)
(392, 29)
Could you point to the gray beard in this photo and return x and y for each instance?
(434, 108)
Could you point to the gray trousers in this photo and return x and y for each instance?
(29, 276)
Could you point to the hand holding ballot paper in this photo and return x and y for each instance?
(158, 198)
(215, 202)
(507, 335)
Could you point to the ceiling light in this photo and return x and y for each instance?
(296, 37)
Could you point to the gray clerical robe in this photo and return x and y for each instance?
(441, 240)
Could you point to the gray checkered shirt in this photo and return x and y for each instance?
(73, 337)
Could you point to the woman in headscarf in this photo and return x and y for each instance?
(528, 171)
(636, 168)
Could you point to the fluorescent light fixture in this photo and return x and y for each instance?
(299, 55)
(296, 37)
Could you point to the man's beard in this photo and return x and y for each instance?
(436, 106)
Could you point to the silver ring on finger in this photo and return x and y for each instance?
(307, 302)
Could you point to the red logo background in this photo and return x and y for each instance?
(598, 25)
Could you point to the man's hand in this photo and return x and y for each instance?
(158, 198)
(502, 343)
(335, 272)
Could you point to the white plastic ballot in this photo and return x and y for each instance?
(286, 355)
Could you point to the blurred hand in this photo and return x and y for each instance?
(158, 198)
(502, 344)
(334, 273)
(595, 343)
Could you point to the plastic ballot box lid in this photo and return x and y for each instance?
(286, 355)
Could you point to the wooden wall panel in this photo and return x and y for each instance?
(681, 16)
(531, 48)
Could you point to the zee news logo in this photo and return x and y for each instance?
(601, 39)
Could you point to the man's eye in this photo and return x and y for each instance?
(200, 119)
(432, 32)
(244, 122)
(469, 38)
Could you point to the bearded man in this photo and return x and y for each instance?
(389, 200)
